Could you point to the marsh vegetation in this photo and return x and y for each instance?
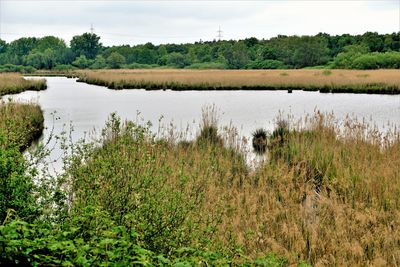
(13, 83)
(335, 81)
(327, 194)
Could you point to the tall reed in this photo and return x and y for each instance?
(328, 195)
(20, 124)
(339, 81)
(11, 83)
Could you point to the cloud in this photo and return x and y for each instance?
(132, 22)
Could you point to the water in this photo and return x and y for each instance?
(87, 107)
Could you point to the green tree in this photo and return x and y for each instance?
(3, 46)
(99, 63)
(373, 41)
(115, 60)
(35, 59)
(23, 46)
(346, 58)
(87, 44)
(50, 42)
(82, 62)
(310, 51)
(177, 60)
(237, 56)
(20, 48)
(267, 52)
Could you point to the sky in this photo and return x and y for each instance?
(133, 22)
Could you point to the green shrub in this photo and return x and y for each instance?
(267, 64)
(16, 186)
(93, 239)
(135, 188)
(64, 67)
(16, 68)
(207, 65)
(366, 61)
(140, 66)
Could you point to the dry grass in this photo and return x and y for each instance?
(12, 83)
(353, 221)
(377, 81)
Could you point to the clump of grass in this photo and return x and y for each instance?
(281, 131)
(284, 74)
(11, 83)
(209, 135)
(260, 141)
(209, 127)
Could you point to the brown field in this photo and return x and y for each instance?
(353, 81)
(12, 83)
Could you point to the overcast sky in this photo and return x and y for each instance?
(134, 22)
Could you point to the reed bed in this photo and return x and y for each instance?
(12, 83)
(328, 194)
(20, 124)
(335, 81)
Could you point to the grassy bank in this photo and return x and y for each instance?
(20, 124)
(335, 81)
(15, 83)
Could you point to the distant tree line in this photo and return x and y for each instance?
(368, 51)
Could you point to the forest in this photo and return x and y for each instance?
(370, 50)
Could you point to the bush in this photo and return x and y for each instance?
(178, 60)
(16, 187)
(16, 68)
(367, 61)
(115, 60)
(155, 205)
(82, 62)
(64, 67)
(140, 66)
(93, 239)
(267, 64)
(207, 65)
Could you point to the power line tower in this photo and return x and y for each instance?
(91, 28)
(219, 36)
